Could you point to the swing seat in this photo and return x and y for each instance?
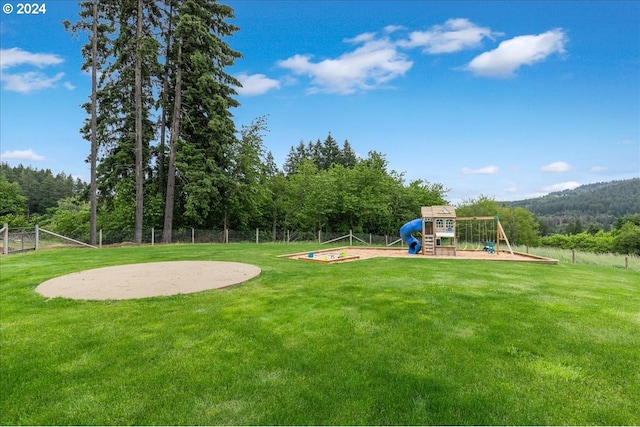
(489, 247)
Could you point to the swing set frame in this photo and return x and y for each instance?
(501, 236)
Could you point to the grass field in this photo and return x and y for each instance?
(379, 341)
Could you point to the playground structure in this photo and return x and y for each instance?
(437, 225)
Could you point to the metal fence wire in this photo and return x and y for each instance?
(20, 239)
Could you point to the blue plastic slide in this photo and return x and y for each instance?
(405, 234)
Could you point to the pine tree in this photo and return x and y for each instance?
(330, 153)
(94, 18)
(348, 157)
(202, 152)
(167, 28)
(173, 143)
(134, 70)
(295, 158)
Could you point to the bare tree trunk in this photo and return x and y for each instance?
(139, 130)
(173, 142)
(165, 90)
(94, 127)
(274, 231)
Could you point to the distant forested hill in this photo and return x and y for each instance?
(595, 205)
(41, 187)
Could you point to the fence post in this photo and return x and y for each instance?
(350, 237)
(226, 235)
(319, 238)
(193, 235)
(573, 256)
(257, 234)
(37, 237)
(370, 241)
(100, 238)
(153, 236)
(5, 239)
(288, 237)
(626, 262)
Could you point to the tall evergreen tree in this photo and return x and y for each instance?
(94, 17)
(330, 153)
(173, 143)
(348, 157)
(295, 158)
(202, 157)
(314, 152)
(167, 29)
(134, 70)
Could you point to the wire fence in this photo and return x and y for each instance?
(21, 239)
(572, 256)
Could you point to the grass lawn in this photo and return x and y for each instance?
(379, 341)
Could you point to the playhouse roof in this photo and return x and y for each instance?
(438, 212)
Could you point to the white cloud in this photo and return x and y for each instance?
(561, 186)
(453, 36)
(393, 28)
(487, 170)
(598, 169)
(16, 56)
(368, 67)
(28, 81)
(556, 167)
(21, 155)
(516, 52)
(255, 84)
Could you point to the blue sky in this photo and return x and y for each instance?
(505, 99)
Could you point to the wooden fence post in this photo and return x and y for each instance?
(350, 237)
(193, 235)
(37, 237)
(573, 256)
(5, 239)
(153, 236)
(257, 235)
(100, 238)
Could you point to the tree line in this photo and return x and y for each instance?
(30, 192)
(365, 197)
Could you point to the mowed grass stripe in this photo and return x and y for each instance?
(379, 341)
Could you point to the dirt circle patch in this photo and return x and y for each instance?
(148, 280)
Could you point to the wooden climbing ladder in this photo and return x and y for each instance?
(429, 245)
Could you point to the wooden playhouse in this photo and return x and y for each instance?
(438, 230)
